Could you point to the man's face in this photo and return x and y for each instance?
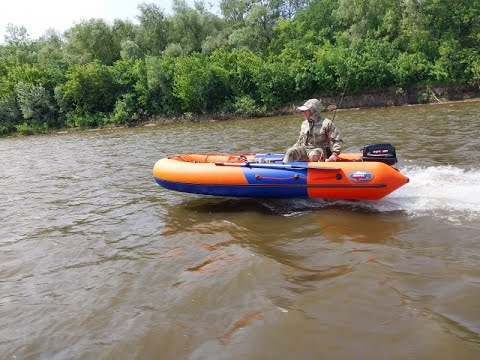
(306, 114)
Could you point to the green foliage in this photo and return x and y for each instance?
(369, 65)
(14, 72)
(37, 105)
(410, 69)
(369, 18)
(48, 50)
(26, 93)
(257, 56)
(5, 130)
(174, 50)
(318, 18)
(455, 62)
(122, 113)
(214, 42)
(234, 11)
(199, 85)
(258, 20)
(129, 50)
(160, 84)
(19, 47)
(154, 29)
(276, 84)
(90, 89)
(10, 115)
(16, 35)
(31, 129)
(241, 69)
(328, 68)
(191, 26)
(423, 97)
(245, 105)
(92, 40)
(130, 79)
(473, 71)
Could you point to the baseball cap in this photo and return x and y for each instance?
(313, 105)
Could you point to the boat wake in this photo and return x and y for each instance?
(446, 192)
(443, 191)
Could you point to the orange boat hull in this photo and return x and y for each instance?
(264, 175)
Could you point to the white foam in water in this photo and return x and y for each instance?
(445, 191)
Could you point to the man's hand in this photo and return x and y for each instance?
(333, 157)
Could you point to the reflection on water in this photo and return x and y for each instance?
(333, 220)
(97, 261)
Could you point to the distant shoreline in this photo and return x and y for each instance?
(376, 99)
(401, 97)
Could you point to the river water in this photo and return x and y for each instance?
(99, 262)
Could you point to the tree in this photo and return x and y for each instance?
(192, 26)
(154, 29)
(235, 11)
(133, 102)
(37, 105)
(89, 89)
(160, 84)
(126, 33)
(92, 40)
(255, 22)
(50, 47)
(199, 84)
(369, 18)
(16, 35)
(18, 44)
(26, 94)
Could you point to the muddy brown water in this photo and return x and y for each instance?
(99, 262)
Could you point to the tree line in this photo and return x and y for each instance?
(252, 57)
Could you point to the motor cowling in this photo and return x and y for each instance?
(382, 152)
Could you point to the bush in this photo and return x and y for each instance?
(84, 120)
(90, 88)
(28, 129)
(37, 105)
(10, 115)
(159, 73)
(423, 97)
(5, 130)
(245, 105)
(122, 113)
(410, 69)
(199, 84)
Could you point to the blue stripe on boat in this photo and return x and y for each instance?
(262, 183)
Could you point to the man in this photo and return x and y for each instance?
(319, 139)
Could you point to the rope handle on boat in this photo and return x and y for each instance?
(294, 177)
(278, 166)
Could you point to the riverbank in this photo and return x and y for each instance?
(400, 97)
(374, 99)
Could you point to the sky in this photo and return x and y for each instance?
(40, 15)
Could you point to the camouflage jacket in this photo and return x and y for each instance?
(320, 133)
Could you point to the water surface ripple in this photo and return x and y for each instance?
(98, 262)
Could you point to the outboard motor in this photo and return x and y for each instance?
(382, 152)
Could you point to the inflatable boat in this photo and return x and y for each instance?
(367, 175)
